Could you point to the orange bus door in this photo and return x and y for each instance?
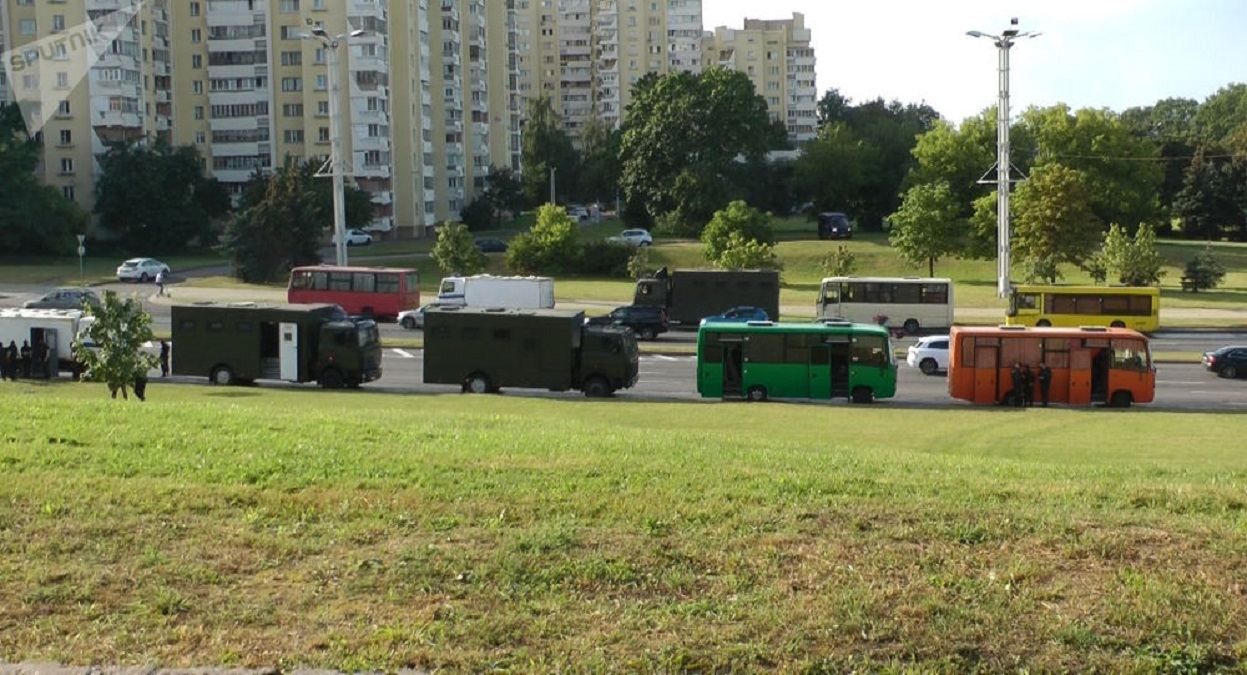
(1080, 376)
(986, 368)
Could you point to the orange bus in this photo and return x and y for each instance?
(1091, 364)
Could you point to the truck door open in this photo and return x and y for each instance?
(289, 351)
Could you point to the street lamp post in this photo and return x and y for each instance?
(1003, 165)
(82, 250)
(331, 43)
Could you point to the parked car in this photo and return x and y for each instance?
(491, 245)
(834, 225)
(578, 214)
(356, 238)
(141, 269)
(637, 237)
(1227, 361)
(646, 321)
(929, 354)
(740, 314)
(412, 319)
(64, 298)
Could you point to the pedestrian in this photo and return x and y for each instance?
(1045, 382)
(4, 362)
(164, 358)
(25, 359)
(42, 356)
(160, 282)
(140, 386)
(14, 362)
(1015, 395)
(1028, 387)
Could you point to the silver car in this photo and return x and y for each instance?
(64, 298)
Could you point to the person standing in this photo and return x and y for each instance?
(4, 362)
(1045, 383)
(1028, 387)
(140, 386)
(25, 359)
(160, 282)
(1015, 394)
(14, 362)
(42, 354)
(164, 358)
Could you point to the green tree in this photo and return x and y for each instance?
(455, 251)
(120, 329)
(545, 146)
(739, 219)
(550, 247)
(505, 189)
(1134, 261)
(928, 225)
(841, 262)
(1221, 115)
(743, 253)
(1204, 271)
(598, 176)
(1213, 199)
(283, 219)
(833, 168)
(156, 197)
(35, 219)
(679, 137)
(1054, 223)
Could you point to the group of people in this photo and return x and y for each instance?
(26, 362)
(1023, 392)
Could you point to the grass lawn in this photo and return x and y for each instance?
(269, 527)
(63, 271)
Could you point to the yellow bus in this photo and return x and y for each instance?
(1136, 307)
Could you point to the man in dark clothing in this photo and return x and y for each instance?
(164, 358)
(25, 358)
(1016, 393)
(1028, 387)
(1045, 383)
(140, 387)
(41, 360)
(14, 360)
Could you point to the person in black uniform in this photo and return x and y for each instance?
(1015, 394)
(25, 359)
(1045, 383)
(1028, 387)
(164, 358)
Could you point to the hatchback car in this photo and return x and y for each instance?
(64, 298)
(578, 214)
(646, 321)
(742, 314)
(141, 269)
(356, 238)
(929, 354)
(637, 237)
(834, 225)
(491, 245)
(1227, 362)
(412, 319)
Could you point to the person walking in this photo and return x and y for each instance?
(25, 359)
(1015, 394)
(14, 360)
(1045, 383)
(164, 358)
(140, 386)
(160, 282)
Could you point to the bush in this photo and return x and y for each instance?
(748, 254)
(1204, 271)
(548, 248)
(603, 259)
(840, 263)
(738, 219)
(638, 264)
(479, 215)
(455, 251)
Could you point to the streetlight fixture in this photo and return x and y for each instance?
(335, 163)
(1003, 42)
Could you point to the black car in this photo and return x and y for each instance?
(647, 322)
(834, 225)
(491, 245)
(1227, 361)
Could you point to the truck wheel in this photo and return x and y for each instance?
(409, 323)
(756, 393)
(928, 366)
(331, 378)
(222, 375)
(863, 395)
(597, 387)
(647, 334)
(477, 383)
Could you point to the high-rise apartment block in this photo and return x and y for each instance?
(777, 56)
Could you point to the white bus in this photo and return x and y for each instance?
(908, 303)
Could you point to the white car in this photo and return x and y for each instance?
(929, 354)
(412, 319)
(637, 237)
(141, 269)
(578, 214)
(356, 238)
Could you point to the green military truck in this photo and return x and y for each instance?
(244, 342)
(483, 350)
(692, 295)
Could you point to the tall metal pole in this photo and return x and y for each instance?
(552, 172)
(1002, 172)
(335, 157)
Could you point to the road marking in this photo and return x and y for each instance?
(402, 353)
(664, 357)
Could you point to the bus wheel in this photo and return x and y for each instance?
(1043, 323)
(597, 387)
(477, 383)
(863, 395)
(1121, 399)
(1118, 324)
(331, 378)
(756, 393)
(221, 375)
(911, 326)
(928, 366)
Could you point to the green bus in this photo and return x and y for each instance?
(820, 360)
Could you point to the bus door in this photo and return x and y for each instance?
(733, 364)
(841, 347)
(820, 371)
(1080, 376)
(986, 374)
(289, 354)
(1099, 374)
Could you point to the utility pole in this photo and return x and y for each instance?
(553, 170)
(82, 250)
(1004, 42)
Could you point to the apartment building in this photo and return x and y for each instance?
(586, 55)
(84, 85)
(778, 58)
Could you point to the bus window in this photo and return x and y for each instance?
(387, 282)
(413, 282)
(1129, 355)
(339, 281)
(906, 294)
(320, 281)
(763, 348)
(1026, 301)
(1116, 304)
(935, 294)
(363, 282)
(870, 350)
(796, 349)
(301, 280)
(1140, 305)
(831, 294)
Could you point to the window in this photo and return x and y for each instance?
(935, 294)
(870, 350)
(294, 136)
(67, 136)
(288, 6)
(339, 281)
(292, 110)
(27, 27)
(322, 134)
(301, 280)
(196, 36)
(197, 86)
(764, 348)
(67, 165)
(387, 283)
(364, 282)
(322, 82)
(194, 9)
(322, 108)
(1129, 355)
(292, 58)
(291, 84)
(62, 80)
(68, 192)
(199, 112)
(58, 23)
(197, 61)
(63, 109)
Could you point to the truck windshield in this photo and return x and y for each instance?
(368, 334)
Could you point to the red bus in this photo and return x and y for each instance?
(379, 292)
(1089, 364)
